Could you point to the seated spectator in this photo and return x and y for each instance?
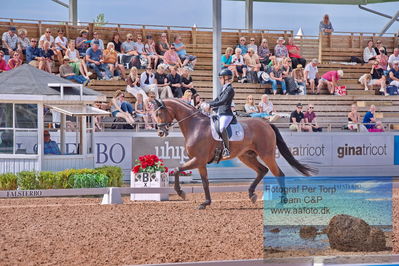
(273, 61)
(369, 120)
(251, 60)
(353, 118)
(152, 55)
(61, 44)
(325, 26)
(94, 60)
(133, 84)
(376, 77)
(143, 56)
(276, 77)
(163, 44)
(3, 63)
(299, 77)
(33, 54)
(330, 80)
(382, 60)
(149, 105)
(48, 57)
(393, 57)
(141, 111)
(242, 46)
(147, 82)
(117, 42)
(294, 53)
(266, 106)
(171, 58)
(297, 120)
(82, 43)
(164, 89)
(184, 57)
(253, 110)
(66, 71)
(122, 108)
(174, 80)
(280, 50)
(290, 84)
(264, 52)
(252, 45)
(187, 81)
(187, 96)
(10, 41)
(393, 74)
(310, 119)
(15, 61)
(227, 59)
(97, 39)
(111, 59)
(369, 53)
(311, 75)
(23, 41)
(78, 65)
(50, 146)
(378, 47)
(196, 101)
(238, 61)
(130, 55)
(46, 37)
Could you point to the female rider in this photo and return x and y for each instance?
(223, 105)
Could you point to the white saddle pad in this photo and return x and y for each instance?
(237, 132)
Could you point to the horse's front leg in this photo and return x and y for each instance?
(190, 164)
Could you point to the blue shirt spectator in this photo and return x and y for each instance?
(50, 147)
(32, 51)
(94, 55)
(368, 119)
(182, 51)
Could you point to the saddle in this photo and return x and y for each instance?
(235, 132)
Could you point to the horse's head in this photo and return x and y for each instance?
(163, 118)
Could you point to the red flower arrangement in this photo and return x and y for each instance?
(182, 173)
(149, 164)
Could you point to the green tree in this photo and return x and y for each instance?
(100, 20)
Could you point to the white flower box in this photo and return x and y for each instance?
(157, 179)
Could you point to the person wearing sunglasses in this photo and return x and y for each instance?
(130, 55)
(61, 45)
(33, 54)
(46, 37)
(252, 45)
(171, 58)
(241, 44)
(310, 119)
(297, 120)
(96, 37)
(50, 146)
(81, 42)
(15, 61)
(378, 47)
(163, 44)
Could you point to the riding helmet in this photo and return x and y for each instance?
(225, 72)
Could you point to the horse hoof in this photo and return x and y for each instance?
(182, 195)
(202, 207)
(254, 198)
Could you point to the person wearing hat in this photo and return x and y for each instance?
(393, 74)
(10, 41)
(95, 60)
(280, 50)
(297, 120)
(81, 42)
(330, 79)
(66, 72)
(223, 103)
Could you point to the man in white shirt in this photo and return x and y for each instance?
(147, 82)
(311, 74)
(393, 57)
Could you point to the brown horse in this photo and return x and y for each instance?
(260, 140)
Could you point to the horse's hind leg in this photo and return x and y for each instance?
(249, 159)
(276, 171)
(205, 183)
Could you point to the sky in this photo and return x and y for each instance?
(278, 16)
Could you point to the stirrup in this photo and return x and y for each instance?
(226, 153)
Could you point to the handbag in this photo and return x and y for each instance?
(340, 90)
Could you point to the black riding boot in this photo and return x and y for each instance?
(226, 150)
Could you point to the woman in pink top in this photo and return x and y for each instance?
(330, 79)
(171, 58)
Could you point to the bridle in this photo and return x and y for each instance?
(165, 126)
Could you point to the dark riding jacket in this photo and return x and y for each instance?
(223, 101)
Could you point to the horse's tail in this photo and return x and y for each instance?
(285, 151)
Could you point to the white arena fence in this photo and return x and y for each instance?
(113, 195)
